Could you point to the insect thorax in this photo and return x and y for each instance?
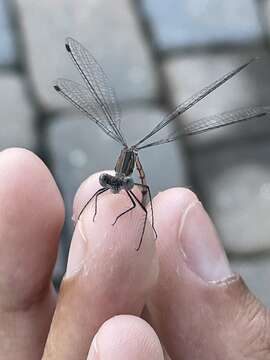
(125, 163)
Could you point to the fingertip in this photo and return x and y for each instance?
(126, 337)
(111, 248)
(25, 176)
(113, 241)
(109, 206)
(169, 209)
(178, 195)
(31, 218)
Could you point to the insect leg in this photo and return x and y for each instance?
(126, 211)
(96, 193)
(151, 205)
(101, 191)
(145, 218)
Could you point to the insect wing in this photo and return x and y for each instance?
(97, 83)
(194, 99)
(213, 122)
(82, 99)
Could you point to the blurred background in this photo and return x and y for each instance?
(156, 54)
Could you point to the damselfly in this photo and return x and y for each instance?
(98, 101)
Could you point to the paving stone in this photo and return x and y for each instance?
(7, 45)
(235, 184)
(202, 22)
(17, 117)
(256, 273)
(188, 74)
(265, 9)
(79, 148)
(108, 30)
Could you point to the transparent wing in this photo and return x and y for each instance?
(194, 99)
(213, 122)
(82, 99)
(98, 84)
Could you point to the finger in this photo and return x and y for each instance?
(126, 337)
(31, 217)
(145, 315)
(199, 308)
(105, 275)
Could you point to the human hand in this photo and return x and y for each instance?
(180, 284)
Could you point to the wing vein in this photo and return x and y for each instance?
(213, 122)
(86, 63)
(194, 99)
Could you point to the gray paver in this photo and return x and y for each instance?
(17, 117)
(110, 31)
(265, 9)
(256, 273)
(202, 22)
(7, 45)
(79, 148)
(188, 74)
(235, 181)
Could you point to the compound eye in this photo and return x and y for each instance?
(103, 180)
(129, 183)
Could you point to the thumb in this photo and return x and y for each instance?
(200, 308)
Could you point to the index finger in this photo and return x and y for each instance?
(105, 275)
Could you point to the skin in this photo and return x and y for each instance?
(177, 293)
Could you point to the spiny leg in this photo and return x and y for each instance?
(99, 193)
(126, 211)
(145, 218)
(151, 205)
(96, 193)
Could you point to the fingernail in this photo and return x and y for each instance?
(93, 353)
(201, 247)
(77, 251)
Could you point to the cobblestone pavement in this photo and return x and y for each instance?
(156, 54)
